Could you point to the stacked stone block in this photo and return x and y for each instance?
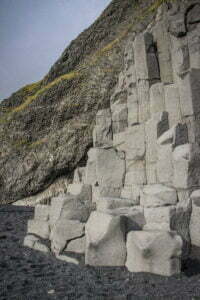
(142, 176)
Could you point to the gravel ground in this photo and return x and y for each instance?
(26, 274)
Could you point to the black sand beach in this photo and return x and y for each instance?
(26, 274)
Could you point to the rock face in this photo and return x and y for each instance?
(46, 128)
(141, 180)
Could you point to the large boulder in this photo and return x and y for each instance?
(105, 244)
(155, 252)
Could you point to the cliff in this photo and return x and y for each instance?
(46, 127)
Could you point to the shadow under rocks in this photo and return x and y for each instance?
(191, 267)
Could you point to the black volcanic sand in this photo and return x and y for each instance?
(26, 274)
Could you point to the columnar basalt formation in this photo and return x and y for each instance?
(140, 188)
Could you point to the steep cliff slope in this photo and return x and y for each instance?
(46, 127)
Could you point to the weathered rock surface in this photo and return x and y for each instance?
(39, 228)
(158, 195)
(77, 245)
(101, 240)
(154, 252)
(42, 212)
(159, 217)
(64, 231)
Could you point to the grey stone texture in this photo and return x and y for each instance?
(158, 195)
(195, 224)
(42, 212)
(39, 228)
(64, 231)
(101, 240)
(154, 252)
(102, 133)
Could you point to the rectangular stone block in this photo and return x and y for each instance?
(110, 168)
(135, 173)
(158, 195)
(101, 240)
(55, 209)
(102, 133)
(180, 55)
(40, 228)
(194, 47)
(159, 217)
(146, 62)
(145, 252)
(186, 160)
(157, 103)
(132, 142)
(153, 128)
(165, 164)
(143, 100)
(172, 104)
(181, 173)
(189, 89)
(151, 172)
(162, 40)
(64, 231)
(133, 105)
(140, 54)
(195, 224)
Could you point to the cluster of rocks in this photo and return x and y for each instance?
(137, 201)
